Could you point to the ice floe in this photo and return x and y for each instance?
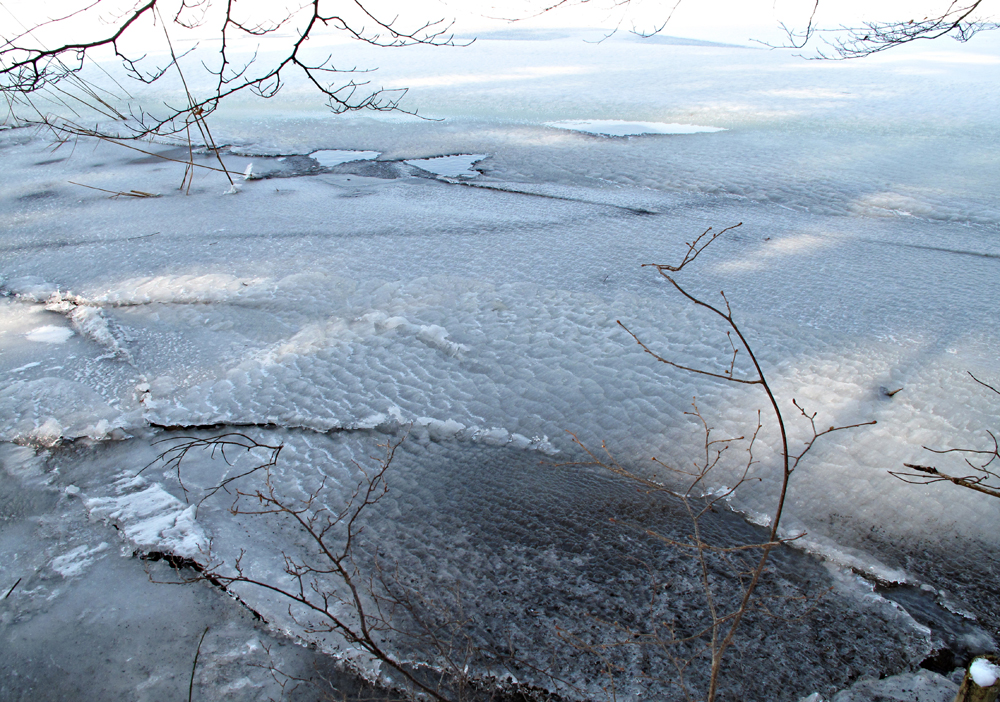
(458, 166)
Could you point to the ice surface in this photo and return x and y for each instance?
(458, 166)
(330, 307)
(922, 686)
(620, 128)
(49, 409)
(334, 157)
(80, 607)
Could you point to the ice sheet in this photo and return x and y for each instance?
(334, 157)
(458, 166)
(481, 315)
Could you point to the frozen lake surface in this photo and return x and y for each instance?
(459, 282)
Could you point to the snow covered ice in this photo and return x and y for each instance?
(460, 282)
(620, 128)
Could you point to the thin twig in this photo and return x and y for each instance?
(115, 194)
(194, 665)
(12, 588)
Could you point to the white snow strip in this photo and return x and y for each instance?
(620, 128)
(178, 289)
(152, 519)
(75, 561)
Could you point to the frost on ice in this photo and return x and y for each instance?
(74, 562)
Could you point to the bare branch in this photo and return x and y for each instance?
(983, 480)
(957, 21)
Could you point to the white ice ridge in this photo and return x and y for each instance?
(85, 315)
(457, 166)
(150, 518)
(334, 157)
(29, 288)
(449, 429)
(89, 320)
(620, 128)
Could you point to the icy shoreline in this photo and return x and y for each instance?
(460, 282)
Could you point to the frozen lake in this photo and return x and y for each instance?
(458, 281)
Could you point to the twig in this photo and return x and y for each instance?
(194, 665)
(936, 476)
(987, 481)
(12, 588)
(115, 194)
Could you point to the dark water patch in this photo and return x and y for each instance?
(964, 572)
(384, 170)
(956, 639)
(563, 569)
(177, 153)
(959, 252)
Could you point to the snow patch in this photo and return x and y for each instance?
(74, 562)
(49, 334)
(151, 518)
(984, 673)
(621, 128)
